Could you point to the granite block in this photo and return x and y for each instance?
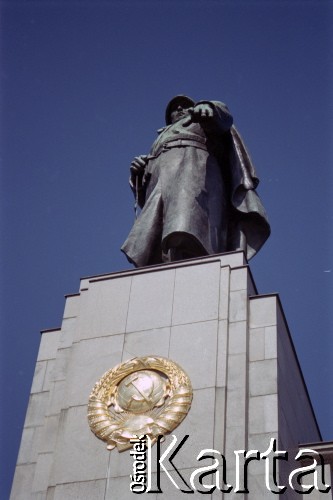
(238, 337)
(263, 377)
(60, 370)
(257, 343)
(270, 342)
(79, 455)
(57, 399)
(235, 439)
(196, 296)
(222, 344)
(42, 472)
(87, 490)
(147, 342)
(22, 481)
(36, 409)
(49, 374)
(88, 362)
(233, 259)
(238, 306)
(239, 279)
(72, 306)
(104, 308)
(68, 332)
(263, 414)
(49, 434)
(237, 371)
(151, 301)
(236, 409)
(193, 346)
(39, 375)
(48, 345)
(220, 418)
(28, 449)
(262, 441)
(263, 311)
(224, 293)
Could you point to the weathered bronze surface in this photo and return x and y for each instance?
(196, 189)
(149, 395)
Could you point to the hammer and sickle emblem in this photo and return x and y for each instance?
(148, 395)
(144, 397)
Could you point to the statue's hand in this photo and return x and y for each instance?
(137, 168)
(200, 113)
(138, 165)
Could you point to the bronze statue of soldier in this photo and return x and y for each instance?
(196, 189)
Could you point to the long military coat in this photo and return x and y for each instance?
(199, 186)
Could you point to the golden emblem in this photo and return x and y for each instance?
(149, 395)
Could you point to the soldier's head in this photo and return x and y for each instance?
(177, 108)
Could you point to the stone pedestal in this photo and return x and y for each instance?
(205, 315)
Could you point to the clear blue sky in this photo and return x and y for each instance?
(84, 86)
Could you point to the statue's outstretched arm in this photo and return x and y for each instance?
(213, 115)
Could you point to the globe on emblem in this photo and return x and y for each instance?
(141, 391)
